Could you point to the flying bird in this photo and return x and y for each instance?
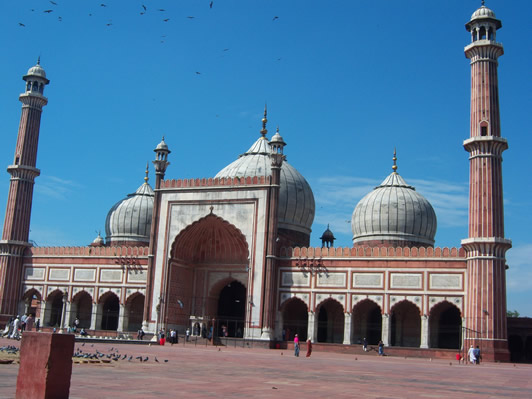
(109, 24)
(274, 18)
(59, 19)
(53, 2)
(142, 13)
(162, 9)
(143, 6)
(210, 5)
(225, 49)
(21, 24)
(166, 20)
(48, 11)
(191, 17)
(103, 5)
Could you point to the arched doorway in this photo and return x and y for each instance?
(32, 303)
(54, 309)
(515, 346)
(82, 309)
(110, 311)
(367, 322)
(406, 325)
(210, 246)
(231, 310)
(134, 312)
(330, 322)
(295, 319)
(445, 326)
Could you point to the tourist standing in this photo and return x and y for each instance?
(365, 344)
(16, 325)
(296, 346)
(477, 355)
(381, 348)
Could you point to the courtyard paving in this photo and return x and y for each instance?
(228, 372)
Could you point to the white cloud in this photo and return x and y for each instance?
(55, 187)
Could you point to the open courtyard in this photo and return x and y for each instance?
(227, 372)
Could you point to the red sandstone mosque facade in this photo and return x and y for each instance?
(232, 251)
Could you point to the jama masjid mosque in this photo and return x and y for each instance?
(232, 251)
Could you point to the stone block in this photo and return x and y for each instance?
(45, 365)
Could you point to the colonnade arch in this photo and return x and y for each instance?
(405, 324)
(331, 321)
(54, 309)
(367, 322)
(445, 326)
(81, 308)
(294, 314)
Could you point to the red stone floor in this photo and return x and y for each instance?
(207, 372)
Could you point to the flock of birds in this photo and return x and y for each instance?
(94, 354)
(114, 355)
(55, 7)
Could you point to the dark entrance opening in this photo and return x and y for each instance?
(57, 309)
(445, 326)
(406, 325)
(110, 311)
(84, 310)
(295, 319)
(231, 310)
(331, 322)
(367, 322)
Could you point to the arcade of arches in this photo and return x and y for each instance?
(207, 278)
(107, 314)
(403, 327)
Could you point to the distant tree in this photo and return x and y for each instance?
(512, 313)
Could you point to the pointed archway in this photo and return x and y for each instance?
(367, 322)
(231, 310)
(445, 326)
(406, 325)
(331, 322)
(54, 309)
(209, 253)
(110, 307)
(81, 309)
(295, 319)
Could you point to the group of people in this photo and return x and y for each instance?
(296, 346)
(17, 325)
(474, 355)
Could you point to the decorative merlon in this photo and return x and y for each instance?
(376, 252)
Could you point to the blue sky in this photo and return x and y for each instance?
(345, 81)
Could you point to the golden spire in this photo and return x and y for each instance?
(147, 171)
(264, 131)
(394, 167)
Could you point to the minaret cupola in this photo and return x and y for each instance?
(36, 79)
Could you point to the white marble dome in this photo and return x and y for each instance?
(129, 220)
(483, 12)
(296, 200)
(396, 213)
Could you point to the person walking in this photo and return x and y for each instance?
(29, 323)
(471, 354)
(381, 348)
(309, 347)
(296, 346)
(365, 344)
(16, 325)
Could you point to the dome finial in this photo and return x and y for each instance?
(483, 3)
(147, 171)
(394, 167)
(39, 60)
(264, 131)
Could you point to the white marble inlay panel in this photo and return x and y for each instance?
(111, 275)
(59, 274)
(367, 280)
(446, 281)
(400, 280)
(295, 279)
(331, 280)
(34, 273)
(84, 274)
(136, 275)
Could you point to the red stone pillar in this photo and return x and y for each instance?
(15, 234)
(485, 305)
(45, 366)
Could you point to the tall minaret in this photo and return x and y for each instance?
(23, 173)
(485, 312)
